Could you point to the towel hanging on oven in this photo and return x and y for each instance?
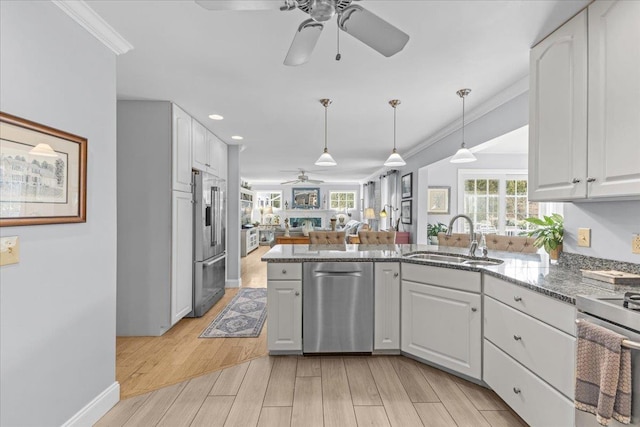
(603, 374)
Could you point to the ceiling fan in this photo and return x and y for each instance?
(302, 178)
(365, 26)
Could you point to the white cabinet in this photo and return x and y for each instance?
(387, 306)
(181, 256)
(248, 241)
(200, 146)
(209, 152)
(181, 149)
(614, 99)
(442, 325)
(584, 107)
(284, 307)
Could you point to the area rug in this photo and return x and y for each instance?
(243, 317)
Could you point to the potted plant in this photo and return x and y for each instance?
(549, 233)
(433, 230)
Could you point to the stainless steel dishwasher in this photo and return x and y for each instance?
(337, 307)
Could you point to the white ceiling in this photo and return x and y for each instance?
(230, 63)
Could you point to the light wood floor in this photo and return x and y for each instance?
(144, 364)
(318, 391)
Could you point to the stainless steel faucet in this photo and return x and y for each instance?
(472, 235)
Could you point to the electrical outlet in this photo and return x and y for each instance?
(584, 237)
(9, 250)
(635, 244)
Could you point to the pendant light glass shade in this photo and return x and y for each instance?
(394, 159)
(463, 155)
(325, 158)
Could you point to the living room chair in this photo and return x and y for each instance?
(326, 237)
(377, 237)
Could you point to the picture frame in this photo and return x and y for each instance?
(305, 198)
(405, 211)
(44, 174)
(406, 185)
(438, 200)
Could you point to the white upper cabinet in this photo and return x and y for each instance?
(181, 150)
(584, 129)
(614, 99)
(223, 160)
(200, 146)
(558, 114)
(214, 154)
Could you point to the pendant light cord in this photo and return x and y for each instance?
(463, 143)
(394, 129)
(325, 128)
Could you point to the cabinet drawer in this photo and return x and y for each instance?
(284, 271)
(532, 343)
(447, 277)
(547, 309)
(535, 401)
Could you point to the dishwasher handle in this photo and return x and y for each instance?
(324, 273)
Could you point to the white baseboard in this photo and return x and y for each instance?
(96, 409)
(236, 283)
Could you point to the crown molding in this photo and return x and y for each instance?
(80, 12)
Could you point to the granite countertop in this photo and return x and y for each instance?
(533, 271)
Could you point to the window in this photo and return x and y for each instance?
(342, 200)
(496, 201)
(270, 198)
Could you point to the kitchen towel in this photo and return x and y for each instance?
(603, 374)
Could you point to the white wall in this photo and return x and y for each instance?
(234, 278)
(57, 307)
(612, 225)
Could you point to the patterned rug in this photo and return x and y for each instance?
(243, 317)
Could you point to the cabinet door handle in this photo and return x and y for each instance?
(297, 293)
(575, 181)
(517, 337)
(517, 299)
(284, 271)
(474, 309)
(590, 179)
(516, 390)
(396, 274)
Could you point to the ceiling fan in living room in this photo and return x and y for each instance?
(353, 19)
(302, 179)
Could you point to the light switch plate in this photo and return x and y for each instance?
(584, 237)
(9, 250)
(635, 244)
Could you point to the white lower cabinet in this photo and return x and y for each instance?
(284, 307)
(442, 326)
(534, 400)
(387, 306)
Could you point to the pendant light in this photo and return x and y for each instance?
(325, 158)
(394, 159)
(463, 155)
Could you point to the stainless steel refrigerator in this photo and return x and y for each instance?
(209, 236)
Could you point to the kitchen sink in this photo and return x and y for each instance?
(438, 258)
(482, 262)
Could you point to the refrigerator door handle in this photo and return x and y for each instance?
(213, 216)
(213, 261)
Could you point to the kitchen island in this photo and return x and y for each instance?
(474, 319)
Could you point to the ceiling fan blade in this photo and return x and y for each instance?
(314, 181)
(304, 42)
(241, 4)
(372, 30)
(295, 181)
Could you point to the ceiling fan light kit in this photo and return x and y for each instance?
(463, 155)
(394, 159)
(322, 10)
(325, 158)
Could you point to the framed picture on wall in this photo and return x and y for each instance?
(305, 198)
(438, 200)
(43, 174)
(405, 211)
(407, 185)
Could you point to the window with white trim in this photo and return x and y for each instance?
(341, 200)
(269, 198)
(496, 200)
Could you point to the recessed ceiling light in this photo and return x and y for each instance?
(215, 117)
(237, 137)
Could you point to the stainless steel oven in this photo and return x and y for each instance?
(620, 314)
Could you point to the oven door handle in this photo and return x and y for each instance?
(625, 343)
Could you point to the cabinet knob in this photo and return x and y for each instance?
(516, 390)
(517, 337)
(297, 293)
(284, 271)
(517, 299)
(395, 274)
(575, 181)
(590, 179)
(474, 309)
